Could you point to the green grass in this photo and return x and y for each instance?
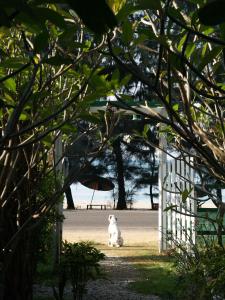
(43, 298)
(157, 274)
(51, 298)
(158, 277)
(129, 250)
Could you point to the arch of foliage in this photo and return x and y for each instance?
(50, 72)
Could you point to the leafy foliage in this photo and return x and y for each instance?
(79, 263)
(176, 59)
(212, 13)
(45, 71)
(201, 272)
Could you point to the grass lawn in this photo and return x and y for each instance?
(158, 276)
(135, 250)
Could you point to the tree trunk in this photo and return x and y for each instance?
(69, 198)
(151, 184)
(151, 195)
(18, 275)
(221, 216)
(17, 261)
(121, 203)
(18, 256)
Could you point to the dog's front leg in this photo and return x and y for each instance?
(110, 240)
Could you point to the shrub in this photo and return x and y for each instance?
(201, 272)
(79, 263)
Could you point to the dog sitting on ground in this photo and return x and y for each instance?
(115, 239)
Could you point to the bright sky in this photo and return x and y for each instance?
(82, 196)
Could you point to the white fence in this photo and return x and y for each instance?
(176, 209)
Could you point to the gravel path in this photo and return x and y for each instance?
(119, 274)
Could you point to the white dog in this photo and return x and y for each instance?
(115, 239)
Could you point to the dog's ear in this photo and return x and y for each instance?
(109, 218)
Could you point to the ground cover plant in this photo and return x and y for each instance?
(201, 271)
(78, 264)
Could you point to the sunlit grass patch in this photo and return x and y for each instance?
(135, 250)
(158, 277)
(157, 273)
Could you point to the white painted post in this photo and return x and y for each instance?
(162, 194)
(58, 152)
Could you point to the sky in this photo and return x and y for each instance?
(82, 196)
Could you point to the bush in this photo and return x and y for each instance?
(79, 263)
(201, 272)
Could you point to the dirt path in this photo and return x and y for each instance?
(139, 230)
(119, 274)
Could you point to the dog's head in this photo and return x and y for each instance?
(112, 219)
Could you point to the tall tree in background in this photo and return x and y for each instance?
(129, 162)
(144, 154)
(117, 151)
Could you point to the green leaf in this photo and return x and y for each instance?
(50, 15)
(13, 63)
(68, 129)
(181, 43)
(201, 2)
(10, 84)
(176, 107)
(57, 60)
(213, 13)
(34, 18)
(126, 11)
(149, 4)
(208, 58)
(185, 194)
(204, 49)
(190, 49)
(208, 30)
(222, 31)
(116, 5)
(47, 141)
(96, 16)
(170, 207)
(4, 19)
(90, 118)
(175, 13)
(11, 3)
(176, 62)
(30, 21)
(145, 131)
(127, 31)
(41, 42)
(141, 5)
(23, 117)
(125, 80)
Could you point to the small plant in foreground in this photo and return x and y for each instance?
(201, 272)
(79, 263)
